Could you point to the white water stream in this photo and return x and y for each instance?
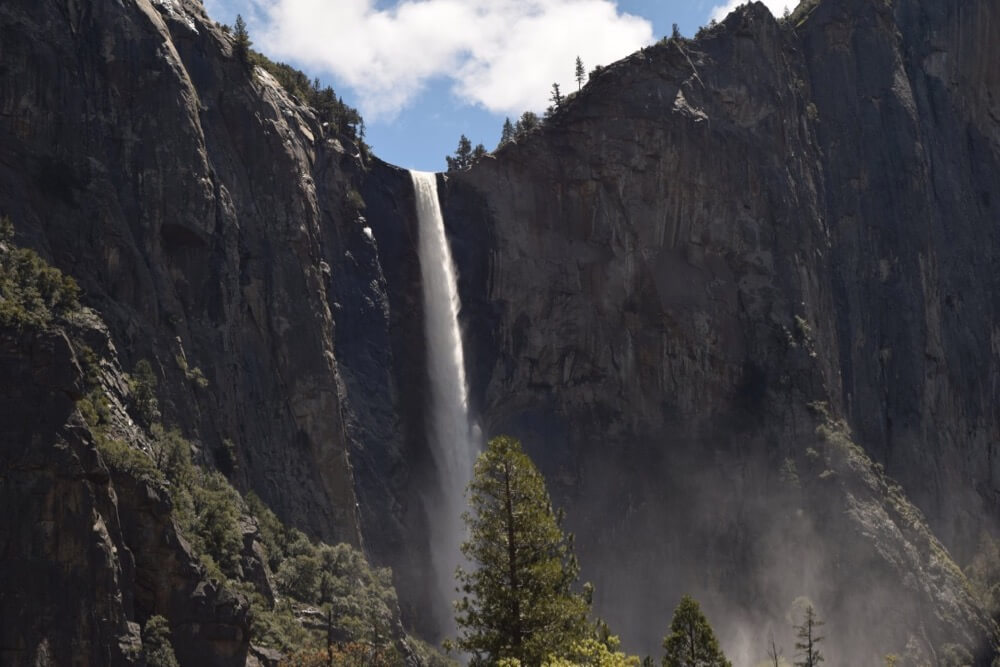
(449, 437)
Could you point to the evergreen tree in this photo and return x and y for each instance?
(156, 646)
(507, 133)
(517, 602)
(580, 73)
(463, 155)
(691, 642)
(143, 386)
(478, 153)
(528, 122)
(808, 639)
(557, 97)
(243, 43)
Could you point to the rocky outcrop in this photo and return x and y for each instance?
(60, 538)
(90, 556)
(184, 191)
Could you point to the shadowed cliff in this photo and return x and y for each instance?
(729, 293)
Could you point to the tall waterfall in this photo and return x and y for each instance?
(451, 443)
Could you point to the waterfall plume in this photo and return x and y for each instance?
(451, 443)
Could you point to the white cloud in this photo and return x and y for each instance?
(501, 54)
(777, 7)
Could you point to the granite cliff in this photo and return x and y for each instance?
(738, 296)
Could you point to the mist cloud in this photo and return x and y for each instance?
(502, 55)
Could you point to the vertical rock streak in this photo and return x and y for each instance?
(448, 436)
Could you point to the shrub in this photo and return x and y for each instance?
(142, 384)
(156, 648)
(32, 293)
(216, 527)
(299, 577)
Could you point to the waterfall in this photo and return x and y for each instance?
(448, 430)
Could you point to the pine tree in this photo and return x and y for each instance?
(691, 642)
(808, 640)
(517, 600)
(507, 133)
(478, 153)
(243, 43)
(557, 97)
(580, 73)
(463, 155)
(528, 122)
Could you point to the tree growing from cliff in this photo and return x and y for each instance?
(691, 642)
(807, 644)
(581, 74)
(528, 122)
(242, 44)
(556, 98)
(506, 133)
(517, 601)
(463, 155)
(156, 648)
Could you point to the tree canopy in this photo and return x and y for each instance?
(517, 601)
(463, 155)
(691, 642)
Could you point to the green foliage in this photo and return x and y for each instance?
(691, 642)
(526, 124)
(192, 373)
(594, 653)
(172, 455)
(32, 293)
(556, 97)
(361, 598)
(299, 576)
(517, 603)
(216, 529)
(506, 133)
(580, 73)
(328, 106)
(117, 454)
(142, 383)
(242, 43)
(277, 627)
(358, 600)
(463, 155)
(156, 648)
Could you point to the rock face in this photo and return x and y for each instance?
(713, 253)
(727, 294)
(193, 200)
(88, 561)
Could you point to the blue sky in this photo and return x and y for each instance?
(424, 72)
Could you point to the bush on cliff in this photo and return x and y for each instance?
(32, 293)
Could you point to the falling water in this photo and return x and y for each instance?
(449, 438)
